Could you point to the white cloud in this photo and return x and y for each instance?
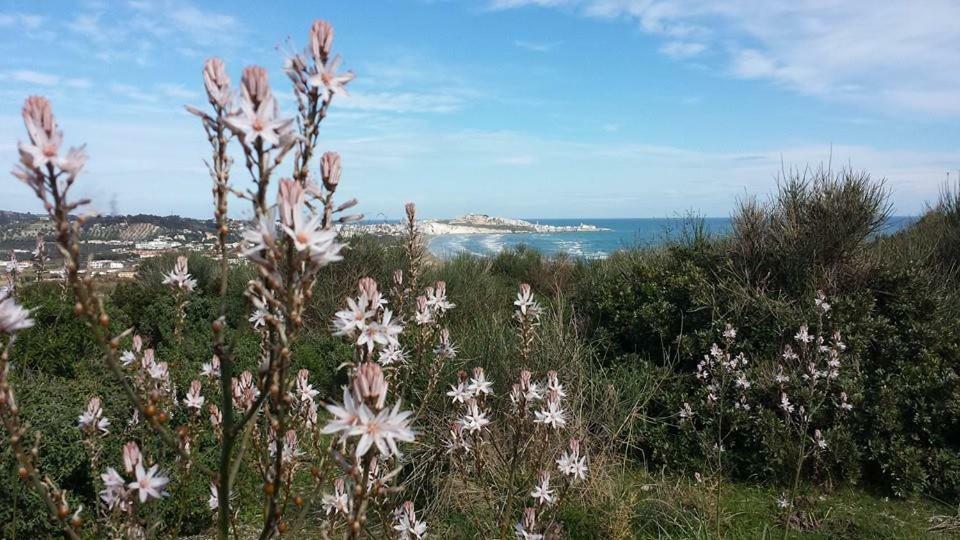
(25, 20)
(537, 46)
(401, 102)
(893, 56)
(133, 92)
(682, 49)
(178, 91)
(38, 78)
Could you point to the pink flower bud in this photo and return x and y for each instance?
(38, 119)
(321, 40)
(289, 201)
(131, 456)
(369, 384)
(368, 287)
(256, 85)
(398, 277)
(216, 81)
(330, 170)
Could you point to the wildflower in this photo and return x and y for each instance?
(456, 441)
(445, 349)
(818, 438)
(686, 412)
(460, 393)
(479, 384)
(330, 170)
(13, 318)
(542, 492)
(258, 318)
(149, 483)
(742, 382)
(211, 369)
(305, 390)
(346, 416)
(260, 238)
(92, 419)
(179, 277)
(571, 464)
(424, 314)
(525, 527)
(158, 371)
(821, 302)
(474, 420)
(782, 501)
(214, 501)
(193, 399)
(131, 456)
(406, 522)
(383, 430)
(216, 417)
(353, 319)
(257, 117)
(369, 385)
(525, 302)
(730, 332)
(114, 493)
(785, 404)
(310, 236)
(216, 82)
(289, 449)
(803, 335)
(844, 404)
(437, 298)
(553, 415)
(392, 354)
(321, 40)
(45, 138)
(553, 384)
(328, 81)
(338, 502)
(127, 358)
(380, 333)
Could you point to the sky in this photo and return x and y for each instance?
(518, 108)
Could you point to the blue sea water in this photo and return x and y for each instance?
(622, 233)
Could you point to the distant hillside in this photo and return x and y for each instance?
(20, 227)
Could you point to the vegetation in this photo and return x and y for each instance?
(791, 378)
(629, 330)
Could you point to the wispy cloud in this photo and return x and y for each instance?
(894, 56)
(537, 46)
(38, 78)
(25, 20)
(401, 102)
(682, 49)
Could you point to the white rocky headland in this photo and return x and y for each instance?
(468, 224)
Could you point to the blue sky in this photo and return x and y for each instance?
(526, 108)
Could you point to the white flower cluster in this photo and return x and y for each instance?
(179, 278)
(147, 483)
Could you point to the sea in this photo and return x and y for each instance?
(620, 234)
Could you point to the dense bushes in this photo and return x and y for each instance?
(632, 328)
(898, 313)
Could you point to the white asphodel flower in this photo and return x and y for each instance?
(13, 318)
(328, 81)
(260, 123)
(149, 483)
(542, 492)
(382, 430)
(475, 419)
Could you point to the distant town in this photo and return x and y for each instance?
(115, 245)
